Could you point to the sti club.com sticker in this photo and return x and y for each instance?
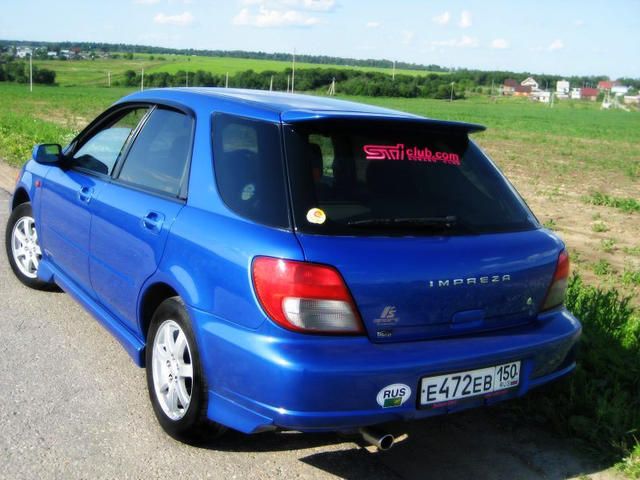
(316, 215)
(393, 395)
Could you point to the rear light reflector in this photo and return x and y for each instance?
(558, 287)
(305, 297)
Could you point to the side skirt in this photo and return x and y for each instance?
(131, 343)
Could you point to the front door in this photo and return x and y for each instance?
(68, 193)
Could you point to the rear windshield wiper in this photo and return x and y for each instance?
(430, 222)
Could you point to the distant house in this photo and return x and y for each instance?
(575, 93)
(632, 99)
(562, 87)
(509, 86)
(52, 54)
(619, 90)
(24, 52)
(522, 91)
(541, 96)
(530, 82)
(606, 85)
(588, 93)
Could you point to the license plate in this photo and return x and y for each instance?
(472, 383)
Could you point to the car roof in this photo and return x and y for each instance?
(291, 107)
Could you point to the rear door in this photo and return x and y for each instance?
(133, 214)
(430, 238)
(68, 192)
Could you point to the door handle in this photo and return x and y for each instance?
(85, 194)
(153, 221)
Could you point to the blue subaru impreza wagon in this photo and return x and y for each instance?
(283, 261)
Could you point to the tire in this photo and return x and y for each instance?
(23, 250)
(175, 378)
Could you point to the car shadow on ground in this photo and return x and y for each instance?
(486, 443)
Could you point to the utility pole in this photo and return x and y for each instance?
(451, 98)
(271, 84)
(109, 79)
(187, 81)
(31, 72)
(332, 87)
(142, 80)
(293, 71)
(288, 81)
(226, 81)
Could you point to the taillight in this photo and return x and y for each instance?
(305, 297)
(555, 294)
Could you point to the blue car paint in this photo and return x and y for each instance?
(260, 375)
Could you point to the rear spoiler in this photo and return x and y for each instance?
(298, 116)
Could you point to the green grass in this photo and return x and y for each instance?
(599, 227)
(627, 205)
(608, 245)
(602, 267)
(631, 465)
(600, 403)
(48, 115)
(94, 72)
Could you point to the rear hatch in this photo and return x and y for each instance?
(429, 236)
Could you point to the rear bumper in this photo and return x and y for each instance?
(259, 381)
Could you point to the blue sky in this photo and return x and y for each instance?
(561, 37)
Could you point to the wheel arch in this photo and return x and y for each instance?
(20, 196)
(152, 297)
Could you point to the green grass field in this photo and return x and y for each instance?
(94, 72)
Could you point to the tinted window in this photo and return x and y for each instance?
(159, 155)
(391, 178)
(249, 169)
(101, 151)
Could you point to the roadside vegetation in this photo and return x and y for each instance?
(600, 403)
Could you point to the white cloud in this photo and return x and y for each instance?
(555, 45)
(305, 5)
(579, 22)
(181, 20)
(462, 42)
(443, 18)
(465, 19)
(407, 37)
(499, 43)
(146, 2)
(372, 24)
(267, 18)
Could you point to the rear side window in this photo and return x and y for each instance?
(249, 170)
(159, 156)
(393, 178)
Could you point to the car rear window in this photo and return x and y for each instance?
(373, 177)
(249, 169)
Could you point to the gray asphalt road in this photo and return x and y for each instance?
(72, 405)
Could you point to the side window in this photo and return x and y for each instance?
(249, 169)
(100, 152)
(159, 155)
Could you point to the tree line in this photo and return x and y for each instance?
(350, 82)
(19, 72)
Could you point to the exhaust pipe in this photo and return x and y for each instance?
(384, 441)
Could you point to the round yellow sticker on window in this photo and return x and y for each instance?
(316, 215)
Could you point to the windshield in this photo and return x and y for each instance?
(396, 178)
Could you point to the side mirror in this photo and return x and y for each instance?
(47, 153)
